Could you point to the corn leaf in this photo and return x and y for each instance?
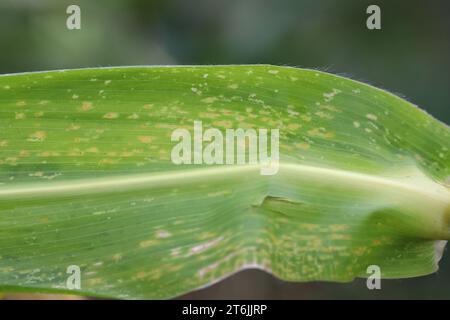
(87, 180)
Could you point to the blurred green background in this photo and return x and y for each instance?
(409, 56)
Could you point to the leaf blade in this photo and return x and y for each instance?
(361, 181)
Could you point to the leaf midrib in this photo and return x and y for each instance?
(421, 187)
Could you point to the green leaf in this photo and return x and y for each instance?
(86, 179)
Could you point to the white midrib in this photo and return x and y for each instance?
(429, 189)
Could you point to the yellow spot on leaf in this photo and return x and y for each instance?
(163, 234)
(224, 123)
(320, 132)
(107, 161)
(73, 127)
(20, 116)
(324, 115)
(147, 243)
(340, 237)
(338, 227)
(209, 100)
(376, 242)
(330, 108)
(117, 257)
(145, 139)
(208, 115)
(86, 106)
(111, 115)
(94, 281)
(309, 226)
(92, 150)
(37, 136)
(37, 174)
(294, 126)
(303, 145)
(49, 154)
(305, 118)
(24, 153)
